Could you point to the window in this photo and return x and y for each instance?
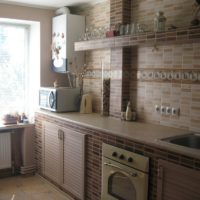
(16, 69)
(13, 68)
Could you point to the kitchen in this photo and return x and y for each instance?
(151, 71)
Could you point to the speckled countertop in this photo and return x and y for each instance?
(137, 131)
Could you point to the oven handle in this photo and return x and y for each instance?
(115, 166)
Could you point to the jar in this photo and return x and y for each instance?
(159, 22)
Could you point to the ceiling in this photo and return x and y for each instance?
(50, 4)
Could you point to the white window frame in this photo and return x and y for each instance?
(27, 98)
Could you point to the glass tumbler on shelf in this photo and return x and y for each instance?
(132, 28)
(127, 29)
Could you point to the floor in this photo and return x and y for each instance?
(29, 188)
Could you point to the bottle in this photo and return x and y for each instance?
(128, 112)
(159, 22)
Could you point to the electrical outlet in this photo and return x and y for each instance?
(168, 111)
(175, 111)
(157, 108)
(163, 110)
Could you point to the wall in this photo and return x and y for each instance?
(97, 16)
(177, 12)
(180, 58)
(47, 77)
(145, 94)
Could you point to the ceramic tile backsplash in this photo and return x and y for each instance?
(96, 16)
(182, 91)
(182, 61)
(167, 74)
(144, 11)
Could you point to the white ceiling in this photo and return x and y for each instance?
(52, 4)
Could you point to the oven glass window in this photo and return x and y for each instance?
(121, 187)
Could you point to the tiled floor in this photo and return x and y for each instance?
(29, 188)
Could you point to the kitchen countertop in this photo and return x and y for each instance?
(149, 134)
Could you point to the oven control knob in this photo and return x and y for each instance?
(130, 159)
(121, 157)
(114, 154)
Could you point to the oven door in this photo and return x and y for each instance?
(120, 182)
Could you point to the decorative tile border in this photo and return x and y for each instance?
(154, 75)
(182, 35)
(97, 74)
(189, 76)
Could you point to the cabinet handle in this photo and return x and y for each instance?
(60, 134)
(160, 172)
(117, 167)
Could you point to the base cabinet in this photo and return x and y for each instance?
(177, 182)
(52, 153)
(64, 157)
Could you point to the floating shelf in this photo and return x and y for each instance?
(181, 35)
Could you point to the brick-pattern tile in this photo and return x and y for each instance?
(175, 12)
(94, 142)
(175, 93)
(98, 16)
(176, 58)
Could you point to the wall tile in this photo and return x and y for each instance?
(145, 94)
(96, 16)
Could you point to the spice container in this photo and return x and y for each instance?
(159, 22)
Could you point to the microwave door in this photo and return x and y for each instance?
(52, 100)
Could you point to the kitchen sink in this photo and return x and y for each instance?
(191, 140)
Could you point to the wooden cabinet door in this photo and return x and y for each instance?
(53, 152)
(74, 162)
(177, 182)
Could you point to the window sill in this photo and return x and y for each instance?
(14, 126)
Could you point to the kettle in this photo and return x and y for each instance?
(86, 104)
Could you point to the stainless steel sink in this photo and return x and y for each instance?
(191, 140)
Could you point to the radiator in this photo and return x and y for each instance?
(5, 150)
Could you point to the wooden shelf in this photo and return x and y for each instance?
(182, 35)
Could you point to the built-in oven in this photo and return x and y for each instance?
(124, 174)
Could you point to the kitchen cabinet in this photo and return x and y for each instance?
(109, 130)
(64, 157)
(52, 152)
(175, 182)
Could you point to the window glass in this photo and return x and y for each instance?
(121, 187)
(13, 68)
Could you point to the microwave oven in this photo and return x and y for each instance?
(61, 99)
